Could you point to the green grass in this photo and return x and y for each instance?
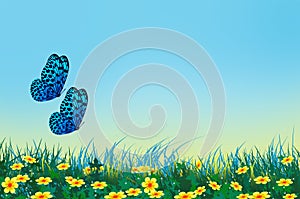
(173, 176)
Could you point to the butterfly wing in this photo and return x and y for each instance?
(80, 104)
(74, 105)
(61, 125)
(55, 72)
(67, 106)
(53, 78)
(40, 91)
(72, 110)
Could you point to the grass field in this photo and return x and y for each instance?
(40, 171)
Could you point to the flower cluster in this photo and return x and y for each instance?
(147, 186)
(143, 169)
(10, 185)
(264, 180)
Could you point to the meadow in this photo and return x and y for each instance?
(40, 171)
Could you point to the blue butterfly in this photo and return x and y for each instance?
(53, 78)
(72, 110)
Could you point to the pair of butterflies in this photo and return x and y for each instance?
(50, 86)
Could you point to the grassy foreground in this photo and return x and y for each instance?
(42, 172)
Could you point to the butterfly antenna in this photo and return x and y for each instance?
(63, 91)
(81, 124)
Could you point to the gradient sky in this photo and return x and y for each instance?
(255, 46)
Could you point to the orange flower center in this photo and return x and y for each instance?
(185, 196)
(41, 196)
(115, 196)
(44, 180)
(259, 196)
(150, 185)
(9, 184)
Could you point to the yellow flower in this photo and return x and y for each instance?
(242, 170)
(262, 180)
(290, 196)
(133, 192)
(265, 193)
(29, 159)
(99, 185)
(243, 196)
(77, 183)
(63, 166)
(153, 170)
(17, 166)
(149, 184)
(114, 195)
(184, 195)
(87, 170)
(200, 190)
(156, 194)
(22, 178)
(40, 195)
(134, 170)
(214, 185)
(284, 182)
(101, 168)
(10, 185)
(43, 180)
(198, 164)
(69, 179)
(236, 186)
(287, 160)
(260, 195)
(181, 173)
(144, 169)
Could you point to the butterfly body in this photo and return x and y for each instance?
(71, 113)
(53, 78)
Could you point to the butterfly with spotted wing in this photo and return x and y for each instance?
(53, 78)
(72, 110)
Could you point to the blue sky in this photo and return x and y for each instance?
(255, 46)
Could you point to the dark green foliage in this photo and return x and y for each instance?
(174, 177)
